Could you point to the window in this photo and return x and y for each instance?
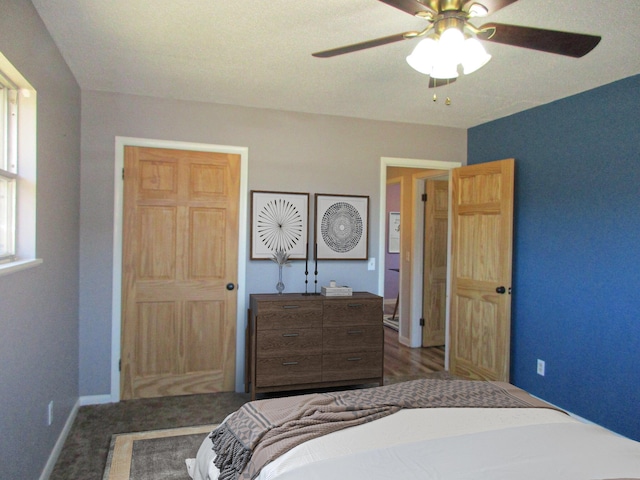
(8, 147)
(17, 169)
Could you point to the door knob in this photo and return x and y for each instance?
(501, 290)
(230, 286)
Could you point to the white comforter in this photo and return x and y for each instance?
(454, 443)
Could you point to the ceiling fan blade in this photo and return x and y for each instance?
(364, 45)
(440, 82)
(491, 5)
(410, 6)
(563, 43)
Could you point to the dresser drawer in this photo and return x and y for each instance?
(289, 314)
(293, 341)
(352, 311)
(352, 338)
(288, 370)
(348, 366)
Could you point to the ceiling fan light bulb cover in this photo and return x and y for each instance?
(423, 56)
(451, 44)
(474, 56)
(445, 70)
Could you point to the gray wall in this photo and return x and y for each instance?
(39, 306)
(287, 152)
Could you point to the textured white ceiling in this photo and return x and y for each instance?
(259, 54)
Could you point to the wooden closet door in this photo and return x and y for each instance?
(180, 251)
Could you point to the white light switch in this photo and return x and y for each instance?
(372, 264)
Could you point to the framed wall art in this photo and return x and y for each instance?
(279, 221)
(394, 232)
(341, 227)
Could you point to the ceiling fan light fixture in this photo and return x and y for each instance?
(440, 56)
(474, 56)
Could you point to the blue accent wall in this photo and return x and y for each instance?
(576, 270)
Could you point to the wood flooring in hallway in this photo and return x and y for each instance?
(401, 362)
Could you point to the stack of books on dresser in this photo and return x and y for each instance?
(337, 291)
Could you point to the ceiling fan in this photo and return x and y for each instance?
(453, 16)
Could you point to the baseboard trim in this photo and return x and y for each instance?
(95, 400)
(57, 448)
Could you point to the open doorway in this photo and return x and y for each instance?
(392, 252)
(410, 274)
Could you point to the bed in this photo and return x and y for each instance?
(427, 429)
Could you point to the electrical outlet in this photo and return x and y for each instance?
(541, 367)
(50, 413)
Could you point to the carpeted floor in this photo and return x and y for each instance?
(85, 451)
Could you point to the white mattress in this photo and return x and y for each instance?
(454, 443)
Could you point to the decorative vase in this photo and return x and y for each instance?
(280, 285)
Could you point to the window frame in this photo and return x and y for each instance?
(18, 165)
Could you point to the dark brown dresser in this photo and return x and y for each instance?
(310, 341)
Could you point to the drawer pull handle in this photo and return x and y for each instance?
(287, 364)
(291, 306)
(354, 359)
(290, 334)
(355, 332)
(355, 305)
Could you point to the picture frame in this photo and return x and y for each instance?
(393, 242)
(279, 221)
(341, 227)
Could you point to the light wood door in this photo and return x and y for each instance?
(435, 263)
(482, 239)
(180, 240)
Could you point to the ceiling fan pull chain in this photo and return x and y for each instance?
(445, 90)
(445, 87)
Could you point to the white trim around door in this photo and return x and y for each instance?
(116, 306)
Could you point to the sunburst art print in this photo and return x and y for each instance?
(341, 227)
(279, 222)
(279, 225)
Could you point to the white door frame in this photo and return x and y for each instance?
(415, 295)
(118, 201)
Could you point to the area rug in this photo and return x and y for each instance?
(390, 322)
(154, 454)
